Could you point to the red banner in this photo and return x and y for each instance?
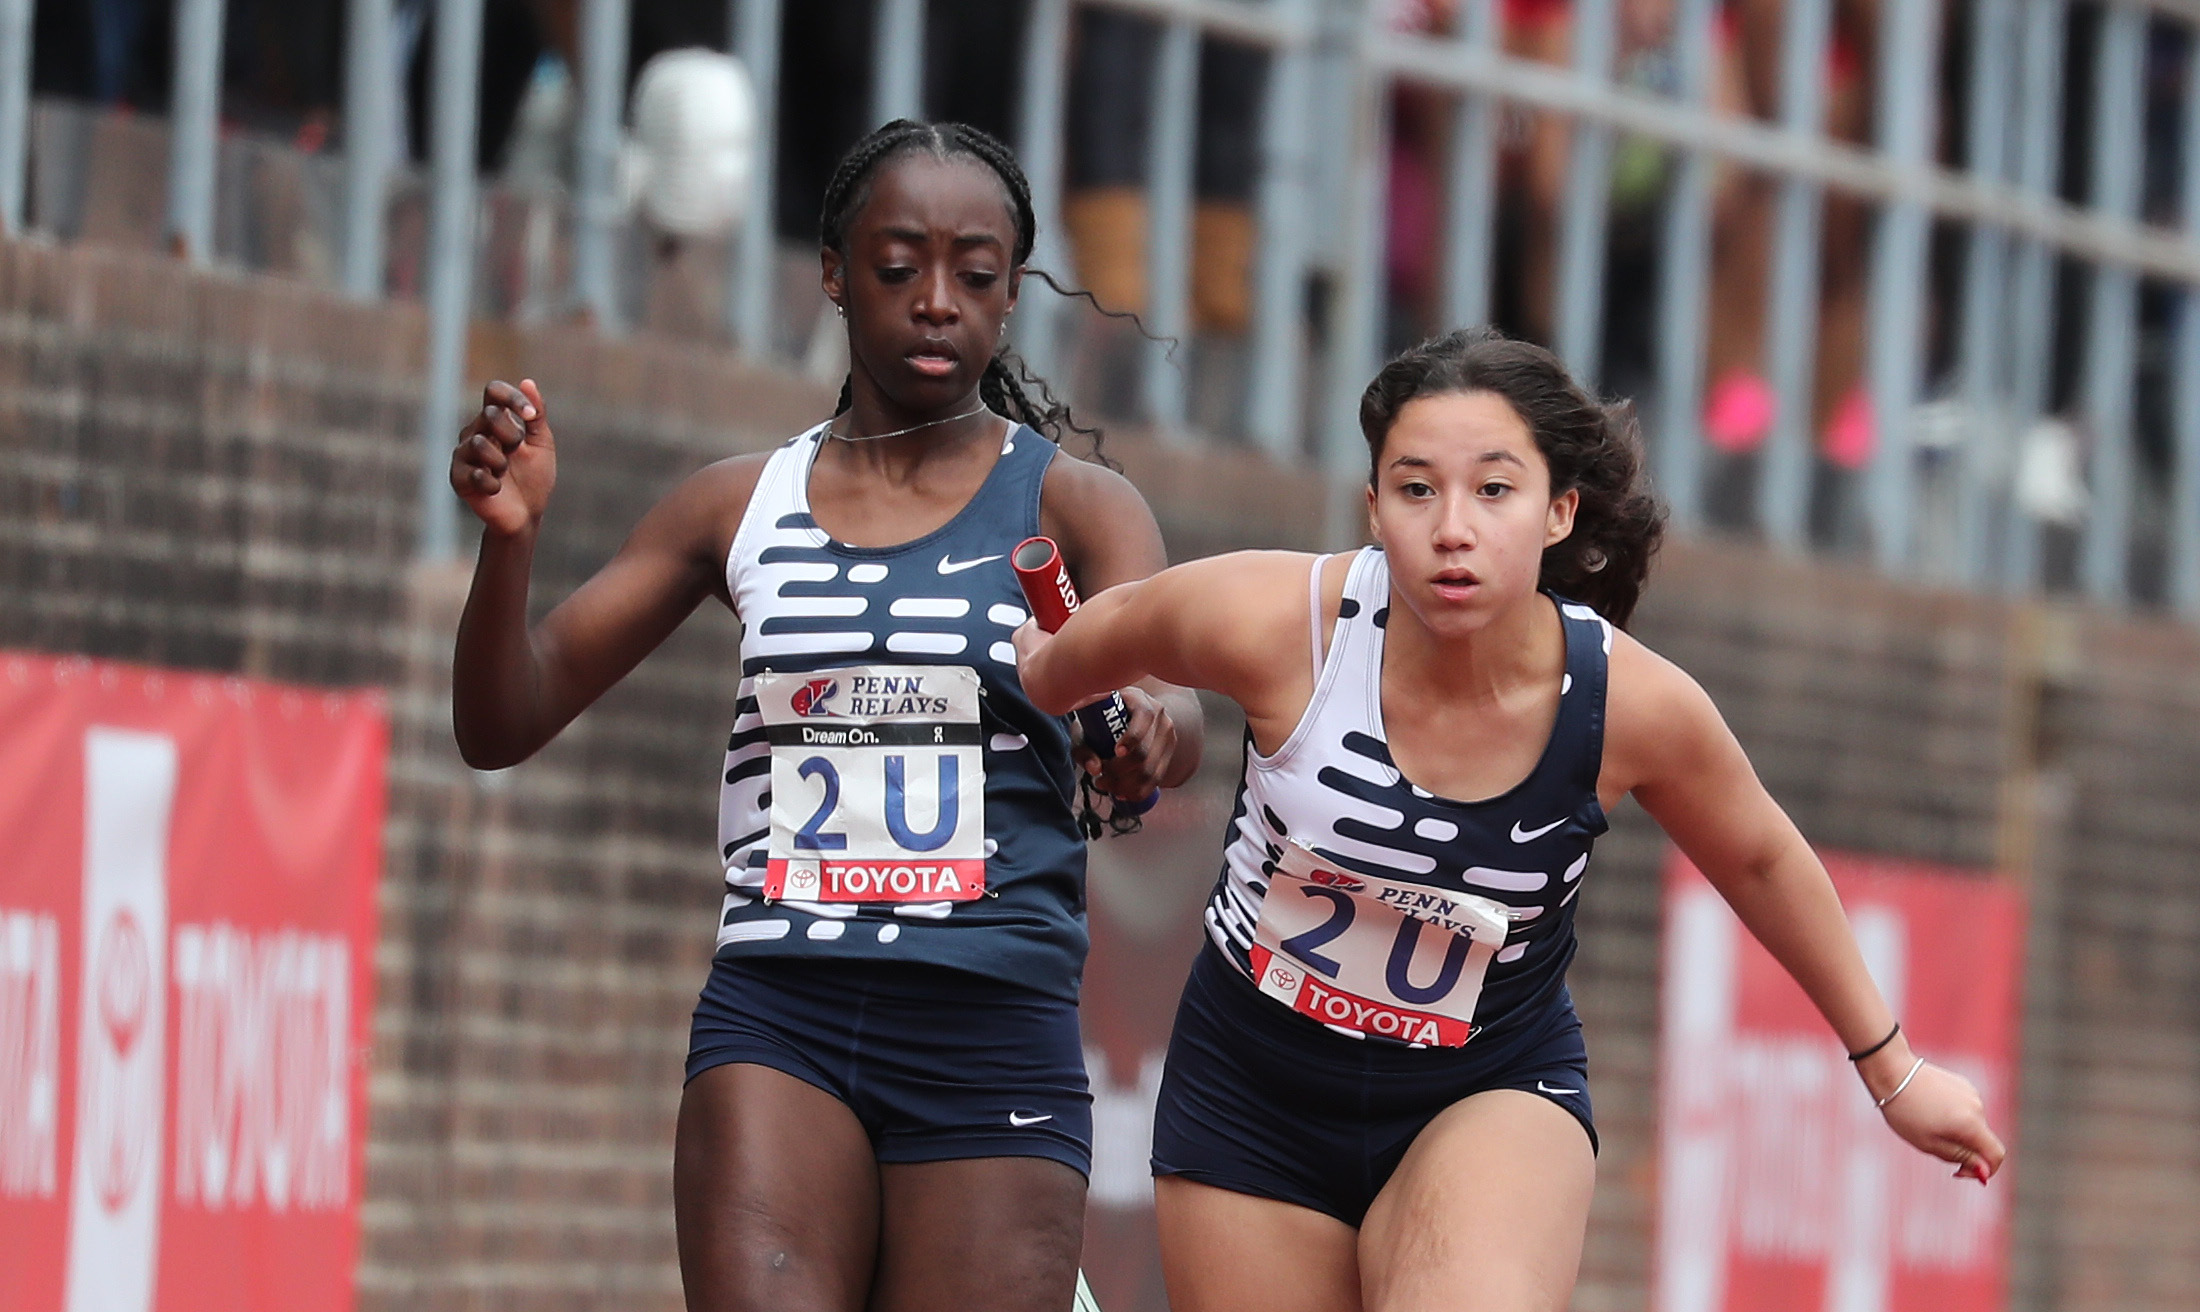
(1779, 1185)
(186, 969)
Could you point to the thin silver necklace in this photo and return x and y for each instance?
(979, 408)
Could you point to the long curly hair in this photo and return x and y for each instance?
(1003, 386)
(1592, 448)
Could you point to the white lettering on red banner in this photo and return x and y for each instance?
(30, 1052)
(187, 918)
(263, 1089)
(1779, 1183)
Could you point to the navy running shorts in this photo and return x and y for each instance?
(1260, 1100)
(937, 1064)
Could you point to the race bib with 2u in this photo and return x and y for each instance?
(1375, 956)
(878, 784)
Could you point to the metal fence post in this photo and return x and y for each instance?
(451, 223)
(15, 106)
(1986, 269)
(2032, 299)
(755, 27)
(1273, 391)
(1170, 149)
(370, 129)
(1355, 345)
(603, 36)
(2112, 316)
(1333, 130)
(1037, 326)
(897, 61)
(1585, 218)
(1471, 223)
(1684, 276)
(1909, 54)
(193, 117)
(2184, 485)
(1791, 326)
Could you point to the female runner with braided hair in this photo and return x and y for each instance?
(886, 1103)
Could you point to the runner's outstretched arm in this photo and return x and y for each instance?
(1673, 751)
(1109, 539)
(1233, 624)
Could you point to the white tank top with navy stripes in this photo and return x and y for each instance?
(1333, 788)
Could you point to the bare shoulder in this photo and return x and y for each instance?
(1256, 601)
(1647, 695)
(712, 500)
(1657, 717)
(734, 475)
(1106, 530)
(1081, 494)
(1075, 476)
(1237, 625)
(1246, 601)
(696, 521)
(1258, 575)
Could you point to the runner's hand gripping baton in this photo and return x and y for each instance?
(1047, 586)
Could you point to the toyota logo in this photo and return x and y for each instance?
(119, 1092)
(123, 982)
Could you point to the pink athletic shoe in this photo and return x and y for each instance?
(1738, 415)
(1851, 436)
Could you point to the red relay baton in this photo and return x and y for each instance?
(1047, 587)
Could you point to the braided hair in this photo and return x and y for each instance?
(1002, 387)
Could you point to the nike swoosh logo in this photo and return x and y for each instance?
(1520, 835)
(948, 566)
(1021, 1121)
(1541, 1087)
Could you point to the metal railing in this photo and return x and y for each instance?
(1985, 245)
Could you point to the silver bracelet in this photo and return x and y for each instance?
(1882, 1103)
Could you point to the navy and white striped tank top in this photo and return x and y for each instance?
(1333, 787)
(808, 603)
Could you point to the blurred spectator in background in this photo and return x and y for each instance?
(973, 57)
(1841, 412)
(281, 68)
(1104, 201)
(283, 73)
(517, 35)
(1420, 133)
(824, 99)
(1642, 172)
(103, 51)
(1739, 404)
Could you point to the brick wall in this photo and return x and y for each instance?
(217, 473)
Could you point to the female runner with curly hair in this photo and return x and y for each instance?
(1376, 1094)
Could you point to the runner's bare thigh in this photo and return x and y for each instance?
(776, 1194)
